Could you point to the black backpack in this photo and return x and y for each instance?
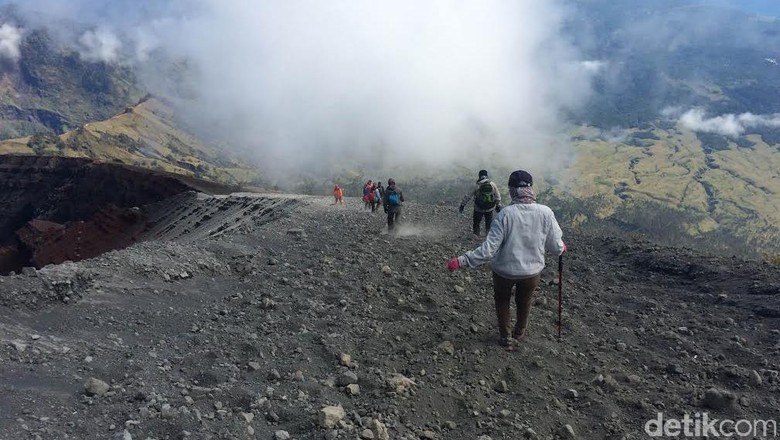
(485, 198)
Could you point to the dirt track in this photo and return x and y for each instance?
(241, 334)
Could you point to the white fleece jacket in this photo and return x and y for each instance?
(519, 236)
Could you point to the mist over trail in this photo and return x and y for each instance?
(315, 87)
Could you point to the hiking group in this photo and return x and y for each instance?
(517, 237)
(390, 198)
(372, 195)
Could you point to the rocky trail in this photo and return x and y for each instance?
(282, 317)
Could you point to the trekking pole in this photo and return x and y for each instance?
(560, 293)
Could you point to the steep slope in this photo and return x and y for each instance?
(145, 135)
(256, 331)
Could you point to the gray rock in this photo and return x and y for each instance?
(606, 383)
(501, 387)
(19, 346)
(345, 360)
(347, 378)
(380, 430)
(330, 416)
(167, 412)
(96, 387)
(124, 435)
(755, 378)
(567, 432)
(633, 378)
(297, 233)
(447, 347)
(674, 369)
(719, 399)
(281, 435)
(353, 389)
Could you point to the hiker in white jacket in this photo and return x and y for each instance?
(515, 246)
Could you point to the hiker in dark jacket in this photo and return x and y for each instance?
(392, 202)
(515, 248)
(378, 196)
(486, 199)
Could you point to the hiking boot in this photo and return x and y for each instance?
(518, 334)
(507, 343)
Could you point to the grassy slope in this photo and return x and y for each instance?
(145, 135)
(676, 172)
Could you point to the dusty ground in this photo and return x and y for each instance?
(244, 334)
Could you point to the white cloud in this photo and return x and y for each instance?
(99, 44)
(310, 83)
(594, 66)
(728, 124)
(10, 39)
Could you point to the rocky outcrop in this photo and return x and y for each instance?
(54, 209)
(42, 242)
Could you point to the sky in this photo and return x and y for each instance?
(763, 7)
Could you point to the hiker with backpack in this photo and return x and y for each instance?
(393, 201)
(486, 200)
(515, 248)
(338, 194)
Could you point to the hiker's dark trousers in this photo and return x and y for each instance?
(524, 298)
(393, 217)
(478, 219)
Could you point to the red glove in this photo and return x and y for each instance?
(453, 265)
(565, 248)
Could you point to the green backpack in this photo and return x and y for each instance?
(485, 198)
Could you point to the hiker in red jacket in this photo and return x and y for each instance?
(368, 190)
(338, 194)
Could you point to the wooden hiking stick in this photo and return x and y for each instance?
(560, 293)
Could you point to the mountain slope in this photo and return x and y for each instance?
(256, 330)
(52, 89)
(145, 135)
(674, 184)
